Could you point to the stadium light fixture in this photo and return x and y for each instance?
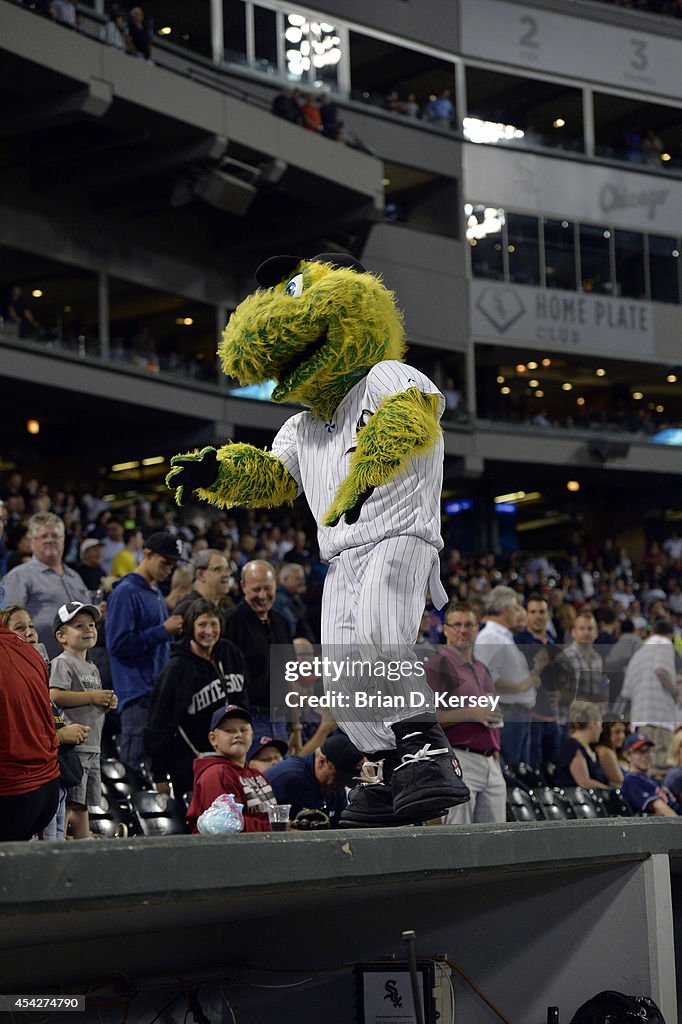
(512, 496)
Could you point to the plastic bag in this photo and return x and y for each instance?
(222, 817)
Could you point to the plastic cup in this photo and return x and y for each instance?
(279, 817)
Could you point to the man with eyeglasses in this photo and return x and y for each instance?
(45, 583)
(212, 579)
(469, 714)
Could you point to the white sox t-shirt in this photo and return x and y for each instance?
(317, 454)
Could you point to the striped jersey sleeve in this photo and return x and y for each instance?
(391, 378)
(285, 447)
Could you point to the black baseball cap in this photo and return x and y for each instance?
(229, 711)
(70, 610)
(344, 755)
(165, 544)
(277, 268)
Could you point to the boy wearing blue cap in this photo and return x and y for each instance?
(226, 771)
(644, 793)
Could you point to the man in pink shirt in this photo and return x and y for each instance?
(467, 709)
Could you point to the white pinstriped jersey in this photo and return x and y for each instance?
(317, 454)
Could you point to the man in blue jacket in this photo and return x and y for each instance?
(138, 632)
(317, 781)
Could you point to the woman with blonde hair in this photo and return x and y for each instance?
(578, 765)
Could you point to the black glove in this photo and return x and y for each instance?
(353, 513)
(310, 820)
(189, 472)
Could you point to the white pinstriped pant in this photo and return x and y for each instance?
(372, 604)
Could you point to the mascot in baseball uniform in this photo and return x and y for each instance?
(368, 455)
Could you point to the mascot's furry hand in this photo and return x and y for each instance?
(190, 472)
(352, 512)
(236, 474)
(310, 820)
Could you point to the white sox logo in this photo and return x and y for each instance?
(392, 993)
(178, 545)
(457, 767)
(363, 419)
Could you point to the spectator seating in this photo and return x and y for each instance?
(613, 801)
(585, 804)
(555, 804)
(119, 781)
(538, 802)
(111, 819)
(522, 805)
(158, 814)
(531, 777)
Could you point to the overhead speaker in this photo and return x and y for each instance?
(225, 192)
(605, 451)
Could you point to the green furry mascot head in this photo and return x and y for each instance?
(315, 327)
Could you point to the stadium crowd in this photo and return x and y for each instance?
(156, 627)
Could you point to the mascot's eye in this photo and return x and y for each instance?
(295, 287)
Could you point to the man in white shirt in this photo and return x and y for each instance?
(508, 668)
(651, 685)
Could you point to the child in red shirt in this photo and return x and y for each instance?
(225, 771)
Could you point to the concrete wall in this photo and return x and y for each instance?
(536, 915)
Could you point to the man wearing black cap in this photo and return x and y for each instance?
(138, 632)
(317, 781)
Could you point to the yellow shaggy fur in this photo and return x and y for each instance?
(251, 478)
(403, 425)
(316, 334)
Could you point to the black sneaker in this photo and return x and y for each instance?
(370, 804)
(428, 778)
